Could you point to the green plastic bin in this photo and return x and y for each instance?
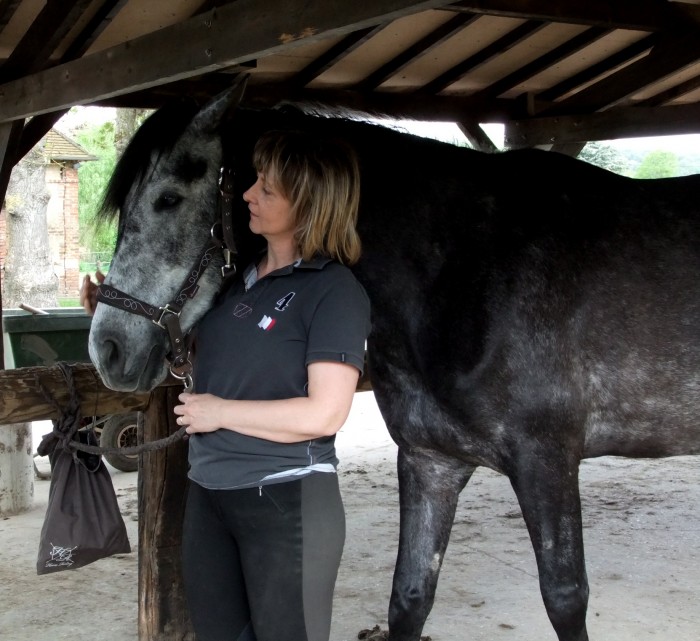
(43, 339)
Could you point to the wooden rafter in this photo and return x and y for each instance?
(336, 53)
(7, 10)
(520, 33)
(673, 93)
(420, 48)
(641, 15)
(538, 65)
(92, 30)
(476, 136)
(233, 34)
(49, 28)
(611, 62)
(670, 55)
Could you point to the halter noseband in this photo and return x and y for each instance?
(167, 317)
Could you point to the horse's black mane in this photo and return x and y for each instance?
(157, 134)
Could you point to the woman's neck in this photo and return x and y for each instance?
(276, 257)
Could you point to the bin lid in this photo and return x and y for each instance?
(58, 319)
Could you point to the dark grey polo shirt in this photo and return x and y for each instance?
(255, 344)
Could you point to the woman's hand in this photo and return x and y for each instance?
(199, 412)
(322, 413)
(88, 292)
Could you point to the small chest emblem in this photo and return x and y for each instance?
(242, 310)
(283, 302)
(267, 323)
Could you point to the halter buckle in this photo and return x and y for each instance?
(163, 311)
(184, 374)
(229, 266)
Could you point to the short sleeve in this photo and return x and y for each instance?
(341, 321)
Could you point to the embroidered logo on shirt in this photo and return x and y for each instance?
(242, 310)
(283, 303)
(267, 323)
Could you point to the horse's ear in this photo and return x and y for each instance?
(214, 113)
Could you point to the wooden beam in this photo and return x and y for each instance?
(631, 122)
(673, 93)
(7, 10)
(673, 53)
(572, 149)
(21, 399)
(423, 46)
(233, 34)
(543, 62)
(394, 105)
(641, 15)
(52, 24)
(35, 130)
(92, 30)
(10, 136)
(331, 57)
(493, 50)
(600, 68)
(476, 136)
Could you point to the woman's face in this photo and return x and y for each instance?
(270, 212)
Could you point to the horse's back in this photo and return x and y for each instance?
(542, 286)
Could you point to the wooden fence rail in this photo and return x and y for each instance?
(21, 399)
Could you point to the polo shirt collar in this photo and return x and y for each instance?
(318, 262)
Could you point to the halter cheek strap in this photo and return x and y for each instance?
(167, 317)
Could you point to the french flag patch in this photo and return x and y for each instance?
(267, 323)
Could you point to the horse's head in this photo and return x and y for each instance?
(165, 188)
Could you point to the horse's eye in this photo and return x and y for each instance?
(167, 201)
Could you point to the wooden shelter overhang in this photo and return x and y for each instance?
(470, 62)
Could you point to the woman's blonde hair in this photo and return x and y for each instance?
(321, 180)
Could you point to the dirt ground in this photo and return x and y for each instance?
(642, 536)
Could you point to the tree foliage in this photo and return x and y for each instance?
(106, 142)
(93, 177)
(658, 164)
(605, 156)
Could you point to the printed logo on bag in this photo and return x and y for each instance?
(60, 557)
(267, 323)
(283, 303)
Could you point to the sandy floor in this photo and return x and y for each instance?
(642, 529)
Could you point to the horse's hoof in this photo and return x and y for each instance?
(375, 634)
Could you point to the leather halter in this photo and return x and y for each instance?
(167, 317)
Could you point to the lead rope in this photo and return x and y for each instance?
(68, 424)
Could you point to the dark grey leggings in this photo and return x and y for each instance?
(260, 564)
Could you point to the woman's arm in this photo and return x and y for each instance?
(321, 413)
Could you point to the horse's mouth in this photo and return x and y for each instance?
(136, 375)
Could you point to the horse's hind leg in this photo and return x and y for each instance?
(429, 487)
(548, 493)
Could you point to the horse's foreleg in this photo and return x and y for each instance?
(429, 487)
(548, 492)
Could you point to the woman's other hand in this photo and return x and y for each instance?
(88, 292)
(199, 412)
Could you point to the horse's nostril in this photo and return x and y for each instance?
(111, 353)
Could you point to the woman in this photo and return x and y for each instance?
(277, 364)
(276, 367)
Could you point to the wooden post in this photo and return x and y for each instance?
(16, 471)
(162, 485)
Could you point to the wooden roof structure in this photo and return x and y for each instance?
(555, 73)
